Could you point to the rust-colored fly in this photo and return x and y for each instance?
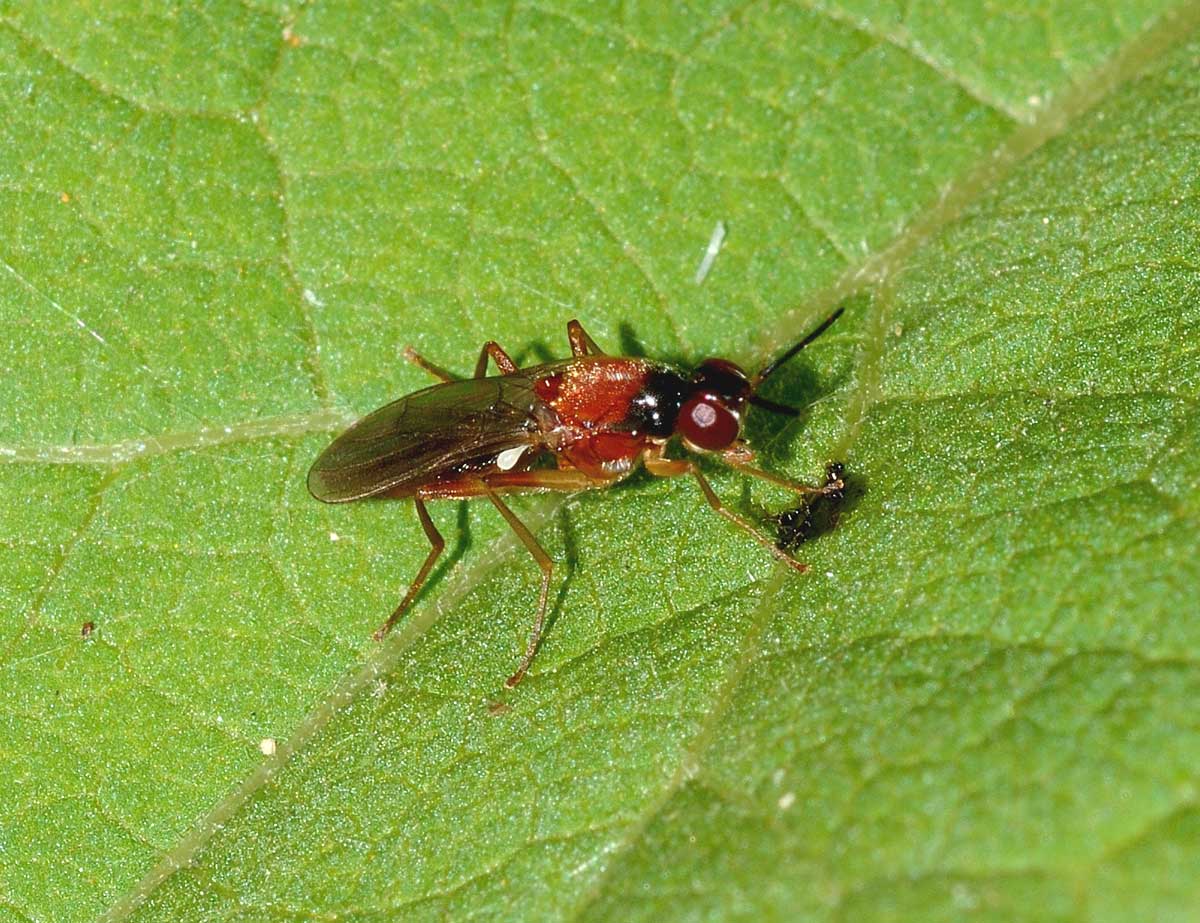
(596, 416)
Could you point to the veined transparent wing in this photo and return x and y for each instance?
(416, 438)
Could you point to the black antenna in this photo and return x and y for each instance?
(770, 367)
(773, 407)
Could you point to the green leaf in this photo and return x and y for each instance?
(223, 221)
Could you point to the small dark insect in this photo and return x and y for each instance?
(596, 416)
(796, 526)
(85, 632)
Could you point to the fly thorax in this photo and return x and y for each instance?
(549, 425)
(655, 409)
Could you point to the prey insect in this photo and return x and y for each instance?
(595, 417)
(796, 526)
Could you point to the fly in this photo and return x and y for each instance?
(596, 416)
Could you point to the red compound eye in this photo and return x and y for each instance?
(708, 424)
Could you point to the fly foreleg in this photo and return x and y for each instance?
(833, 483)
(662, 467)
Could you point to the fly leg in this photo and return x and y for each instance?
(545, 563)
(499, 356)
(560, 480)
(834, 482)
(581, 343)
(662, 467)
(435, 370)
(490, 348)
(438, 545)
(567, 480)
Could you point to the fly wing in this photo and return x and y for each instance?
(412, 440)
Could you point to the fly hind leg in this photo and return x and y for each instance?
(490, 348)
(438, 545)
(435, 370)
(499, 356)
(581, 343)
(547, 567)
(568, 480)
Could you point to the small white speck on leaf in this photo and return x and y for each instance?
(267, 746)
(963, 897)
(786, 800)
(710, 253)
(333, 536)
(311, 297)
